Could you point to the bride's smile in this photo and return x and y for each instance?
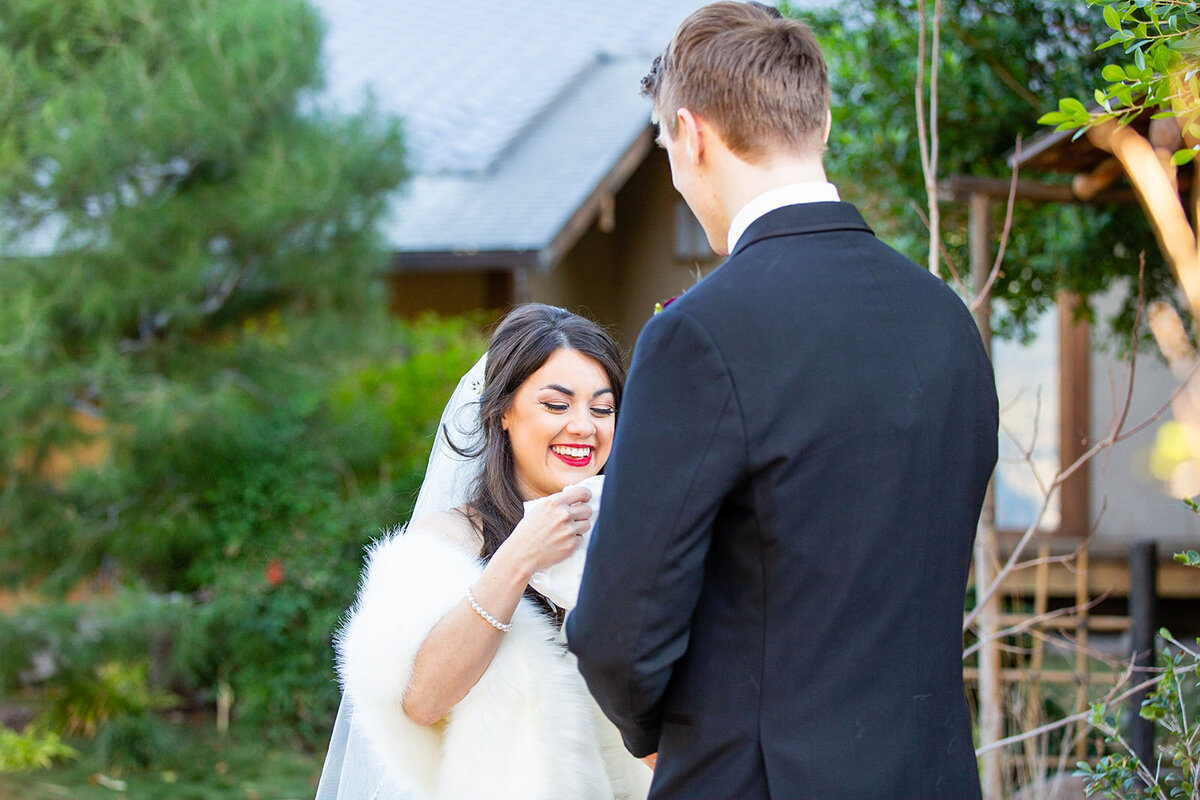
(560, 424)
(573, 455)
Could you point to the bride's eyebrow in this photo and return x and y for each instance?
(571, 392)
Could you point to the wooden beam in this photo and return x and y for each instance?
(1059, 676)
(1105, 575)
(462, 260)
(959, 188)
(1086, 185)
(1101, 622)
(601, 197)
(1164, 207)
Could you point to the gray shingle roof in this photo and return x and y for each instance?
(513, 112)
(469, 76)
(529, 194)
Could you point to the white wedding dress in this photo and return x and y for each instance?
(527, 730)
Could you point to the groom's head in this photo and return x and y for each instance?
(757, 77)
(741, 97)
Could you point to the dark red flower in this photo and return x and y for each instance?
(274, 572)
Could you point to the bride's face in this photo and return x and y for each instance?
(560, 424)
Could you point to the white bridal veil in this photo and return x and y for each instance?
(350, 771)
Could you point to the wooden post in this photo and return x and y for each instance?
(1143, 590)
(1081, 639)
(1074, 403)
(1035, 749)
(987, 556)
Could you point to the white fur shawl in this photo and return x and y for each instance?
(528, 730)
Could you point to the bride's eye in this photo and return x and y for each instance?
(604, 411)
(555, 406)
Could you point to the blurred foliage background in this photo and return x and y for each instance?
(205, 409)
(1003, 64)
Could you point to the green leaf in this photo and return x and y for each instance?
(1071, 107)
(1189, 557)
(1111, 18)
(1053, 118)
(1113, 74)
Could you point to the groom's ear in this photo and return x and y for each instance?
(689, 129)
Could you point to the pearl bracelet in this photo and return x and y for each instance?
(488, 618)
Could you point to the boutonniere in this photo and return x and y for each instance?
(658, 307)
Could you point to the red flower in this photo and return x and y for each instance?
(658, 307)
(274, 572)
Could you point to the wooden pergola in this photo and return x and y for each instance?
(1097, 176)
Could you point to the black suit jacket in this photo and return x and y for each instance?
(774, 591)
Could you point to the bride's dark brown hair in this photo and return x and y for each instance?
(520, 345)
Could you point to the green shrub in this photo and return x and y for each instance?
(241, 533)
(1174, 708)
(134, 742)
(31, 749)
(84, 702)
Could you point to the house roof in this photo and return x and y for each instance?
(514, 113)
(532, 188)
(518, 116)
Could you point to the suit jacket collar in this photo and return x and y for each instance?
(803, 218)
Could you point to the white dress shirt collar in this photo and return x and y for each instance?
(812, 192)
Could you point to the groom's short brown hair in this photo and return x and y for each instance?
(757, 76)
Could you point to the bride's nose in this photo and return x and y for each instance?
(581, 424)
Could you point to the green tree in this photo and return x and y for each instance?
(184, 248)
(202, 395)
(1002, 63)
(1158, 42)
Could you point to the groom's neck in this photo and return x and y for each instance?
(735, 182)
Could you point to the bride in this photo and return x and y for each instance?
(456, 682)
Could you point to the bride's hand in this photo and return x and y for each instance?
(551, 531)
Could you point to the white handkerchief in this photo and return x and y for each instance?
(560, 583)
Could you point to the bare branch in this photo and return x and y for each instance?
(1033, 622)
(954, 273)
(927, 134)
(1065, 721)
(1133, 350)
(986, 291)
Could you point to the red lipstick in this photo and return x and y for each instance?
(575, 462)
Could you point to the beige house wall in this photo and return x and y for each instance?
(585, 281)
(413, 293)
(616, 278)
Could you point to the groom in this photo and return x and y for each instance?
(774, 593)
